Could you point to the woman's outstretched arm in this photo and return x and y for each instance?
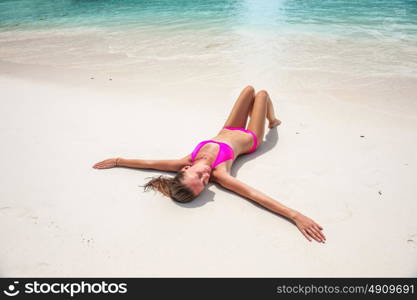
(173, 165)
(308, 227)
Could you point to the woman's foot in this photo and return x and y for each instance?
(274, 123)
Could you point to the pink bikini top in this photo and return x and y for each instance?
(225, 152)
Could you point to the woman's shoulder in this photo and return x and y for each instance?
(186, 159)
(218, 173)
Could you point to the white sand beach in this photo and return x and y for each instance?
(345, 155)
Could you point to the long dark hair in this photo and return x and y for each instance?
(171, 187)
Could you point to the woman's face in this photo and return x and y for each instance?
(196, 177)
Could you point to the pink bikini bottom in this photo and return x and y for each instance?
(255, 139)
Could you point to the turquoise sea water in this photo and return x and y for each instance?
(221, 39)
(368, 17)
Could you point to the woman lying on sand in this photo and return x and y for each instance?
(212, 160)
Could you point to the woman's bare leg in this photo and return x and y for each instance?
(270, 115)
(238, 117)
(262, 110)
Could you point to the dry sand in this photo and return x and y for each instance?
(350, 166)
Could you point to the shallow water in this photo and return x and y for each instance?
(347, 16)
(255, 41)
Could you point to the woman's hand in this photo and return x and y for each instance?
(309, 228)
(107, 164)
